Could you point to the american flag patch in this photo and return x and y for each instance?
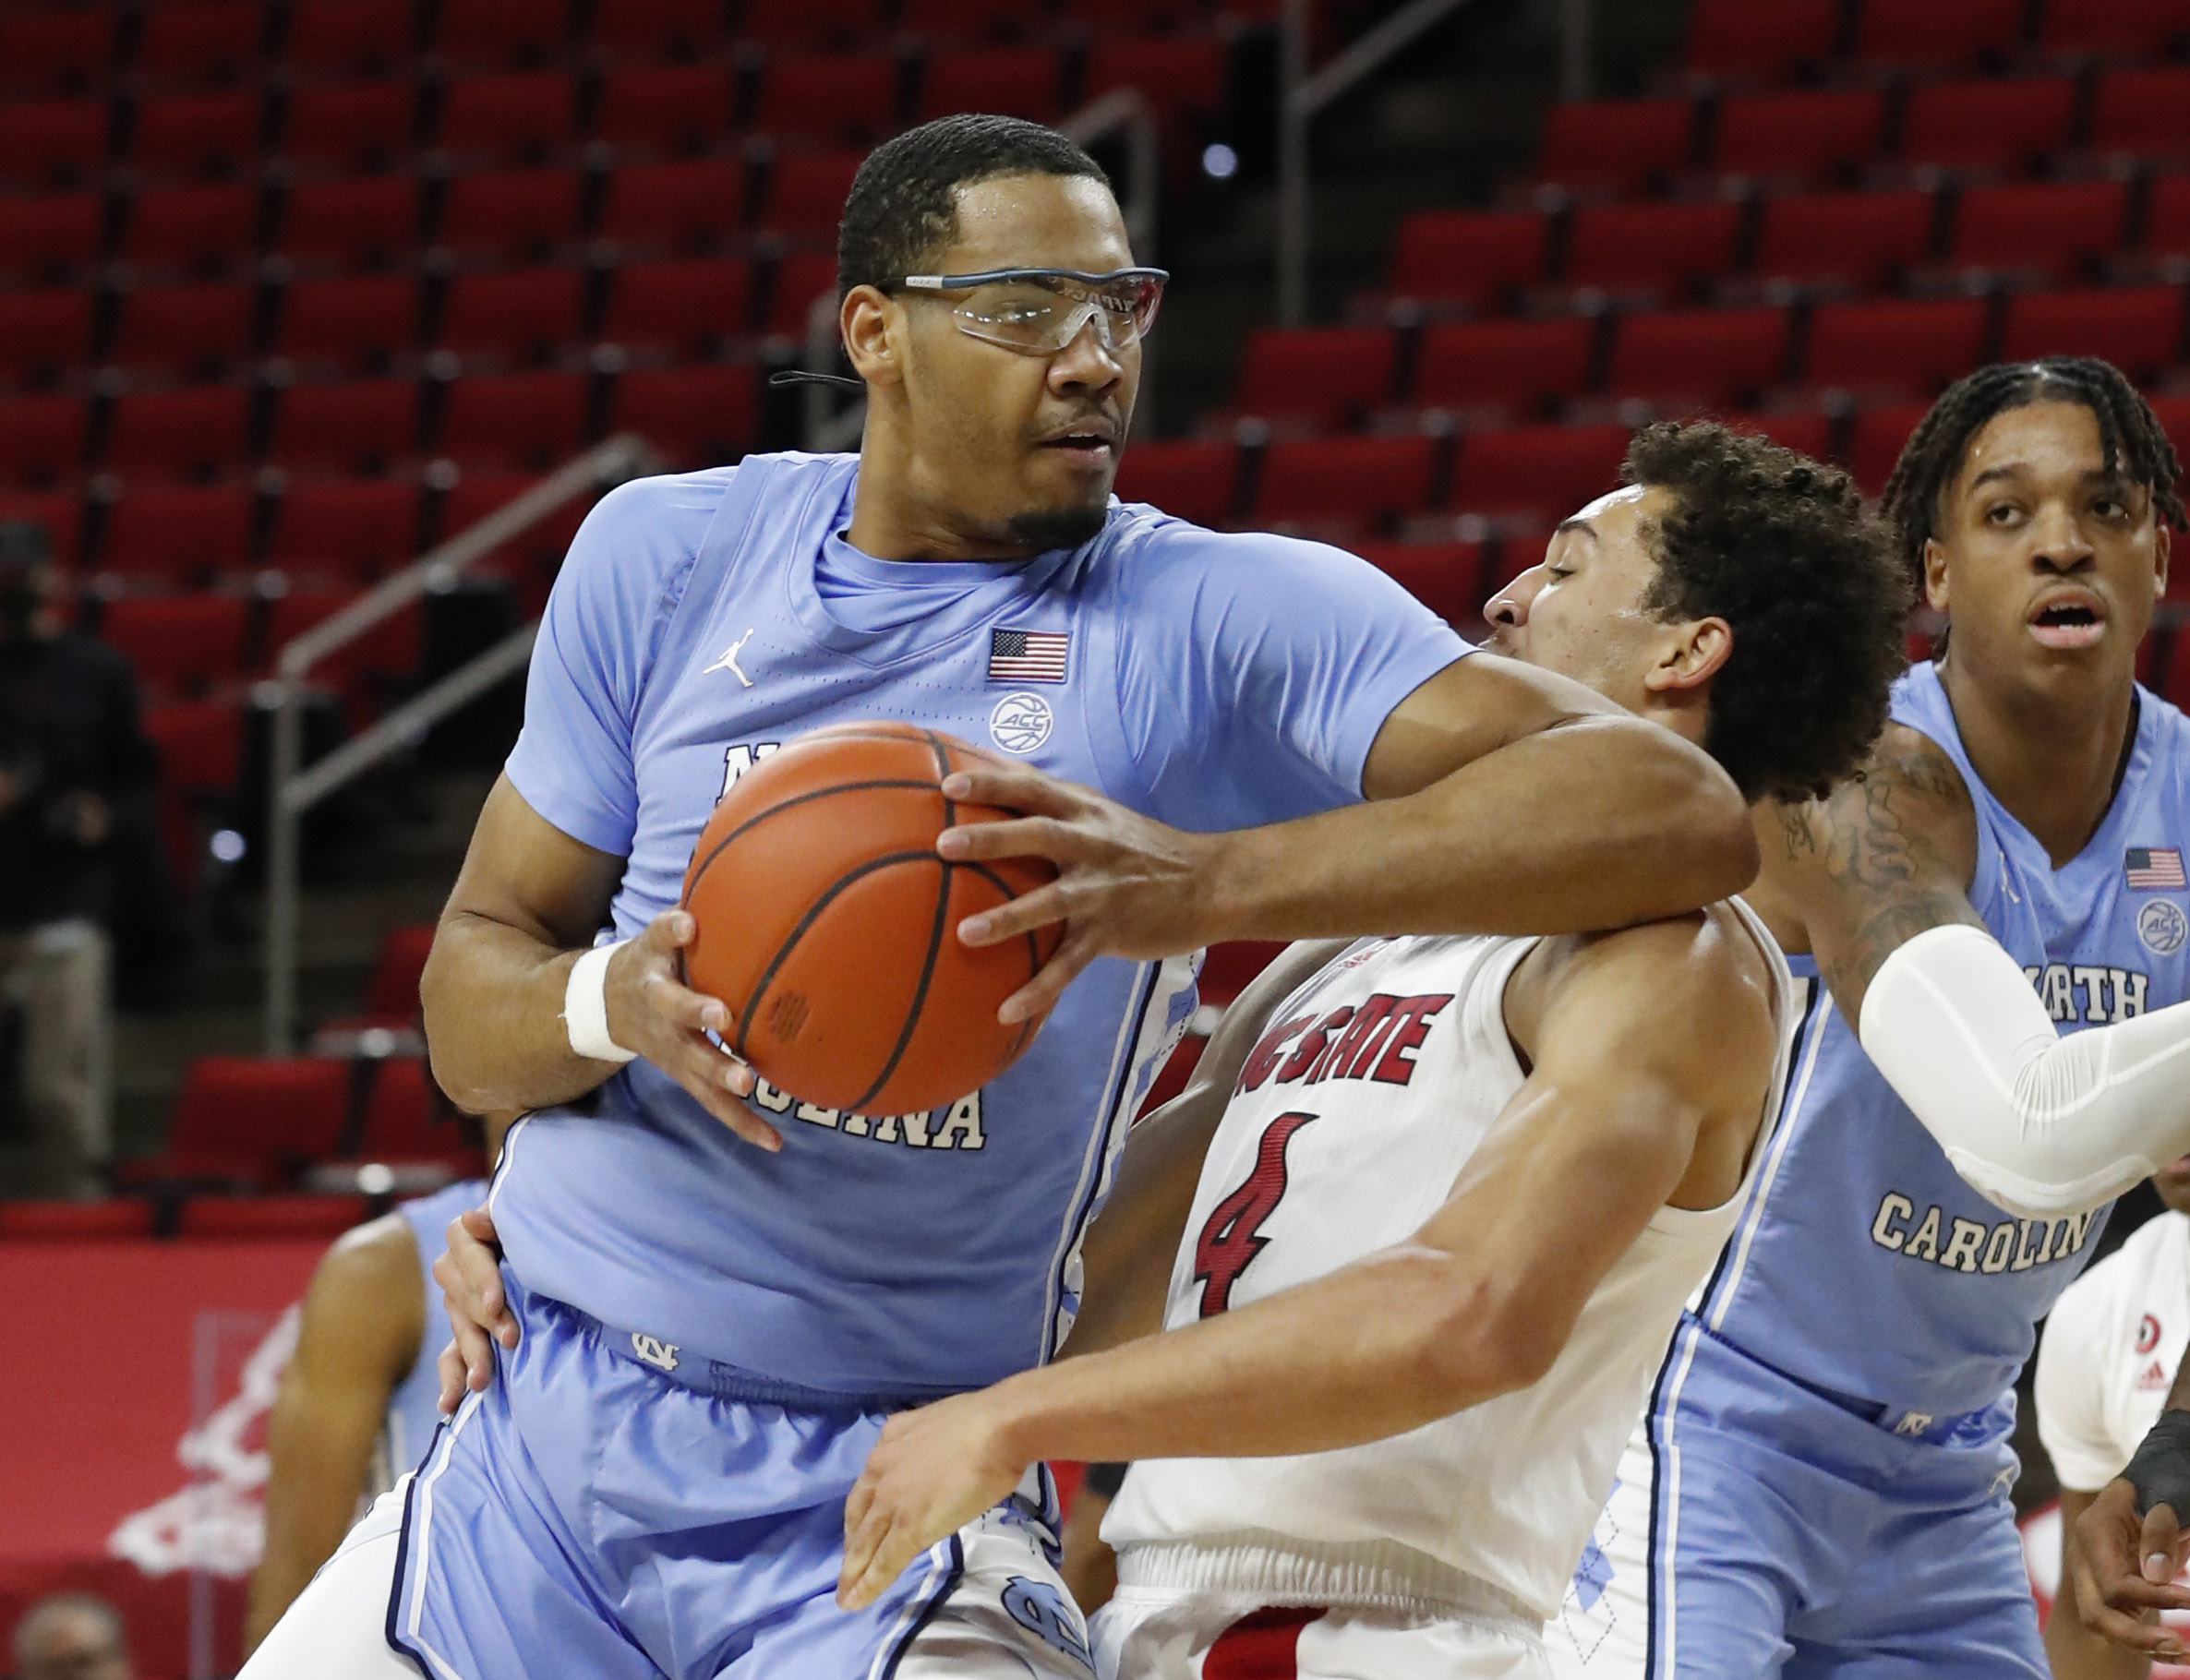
(2153, 868)
(1027, 655)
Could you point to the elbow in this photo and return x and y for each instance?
(1491, 1341)
(441, 1015)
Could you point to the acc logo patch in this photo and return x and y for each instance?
(1021, 722)
(2163, 927)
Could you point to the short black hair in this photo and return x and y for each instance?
(903, 205)
(2136, 443)
(1783, 550)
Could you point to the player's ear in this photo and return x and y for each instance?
(1698, 653)
(1935, 590)
(872, 328)
(2164, 543)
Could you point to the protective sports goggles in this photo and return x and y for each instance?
(1038, 311)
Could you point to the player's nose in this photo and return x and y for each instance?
(1509, 608)
(1087, 362)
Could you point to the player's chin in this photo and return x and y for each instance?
(1056, 521)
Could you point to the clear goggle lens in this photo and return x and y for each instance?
(1038, 312)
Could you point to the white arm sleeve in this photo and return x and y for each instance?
(2040, 1124)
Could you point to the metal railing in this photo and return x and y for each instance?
(293, 790)
(1122, 110)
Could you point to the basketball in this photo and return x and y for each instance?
(827, 923)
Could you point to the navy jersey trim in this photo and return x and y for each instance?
(944, 1588)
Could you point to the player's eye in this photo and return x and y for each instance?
(2003, 514)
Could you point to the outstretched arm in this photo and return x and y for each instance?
(2130, 1544)
(1644, 1040)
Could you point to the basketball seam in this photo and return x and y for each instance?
(935, 933)
(793, 802)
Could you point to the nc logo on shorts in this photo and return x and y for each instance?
(2162, 925)
(1040, 1609)
(654, 1350)
(1021, 723)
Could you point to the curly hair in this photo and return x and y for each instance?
(904, 204)
(1782, 548)
(2135, 443)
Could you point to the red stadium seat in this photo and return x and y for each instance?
(524, 313)
(348, 37)
(203, 43)
(1806, 431)
(2122, 28)
(655, 29)
(2001, 124)
(781, 23)
(178, 534)
(362, 221)
(806, 193)
(1445, 577)
(532, 555)
(675, 206)
(198, 330)
(1008, 82)
(1651, 248)
(55, 52)
(2140, 329)
(1546, 471)
(1849, 238)
(300, 1217)
(1174, 73)
(389, 649)
(352, 323)
(2167, 217)
(196, 432)
(47, 239)
(51, 143)
(41, 333)
(1620, 144)
(111, 1219)
(697, 417)
(362, 527)
(366, 125)
(1310, 481)
(1132, 16)
(829, 96)
(1711, 355)
(2052, 227)
(688, 307)
(798, 280)
(41, 440)
(1329, 374)
(249, 1120)
(359, 427)
(1877, 439)
(1937, 32)
(60, 511)
(517, 118)
(397, 966)
(667, 108)
(526, 419)
(936, 21)
(499, 31)
(1896, 344)
(199, 743)
(1763, 41)
(196, 133)
(1191, 478)
(524, 216)
(191, 227)
(1807, 135)
(1508, 364)
(1469, 257)
(179, 644)
(2143, 112)
(400, 1121)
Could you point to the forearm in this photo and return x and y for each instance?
(493, 998)
(1598, 822)
(2074, 1652)
(312, 1493)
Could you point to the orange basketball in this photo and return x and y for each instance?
(829, 926)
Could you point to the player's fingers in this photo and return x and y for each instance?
(669, 931)
(1040, 995)
(470, 1275)
(704, 1075)
(1017, 918)
(476, 1352)
(2159, 1547)
(681, 1006)
(1016, 788)
(479, 1222)
(1014, 837)
(449, 1366)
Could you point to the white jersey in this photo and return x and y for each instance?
(1374, 1085)
(2112, 1345)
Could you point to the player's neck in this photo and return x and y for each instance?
(2053, 761)
(891, 519)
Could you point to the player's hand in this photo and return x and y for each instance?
(1128, 885)
(654, 1014)
(2124, 1567)
(470, 1273)
(933, 1471)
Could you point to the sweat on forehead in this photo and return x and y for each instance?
(1610, 499)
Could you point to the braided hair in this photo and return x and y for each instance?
(2135, 444)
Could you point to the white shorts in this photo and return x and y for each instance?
(1009, 1617)
(1162, 1634)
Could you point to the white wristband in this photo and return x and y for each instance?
(585, 1007)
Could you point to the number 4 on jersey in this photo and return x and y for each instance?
(1232, 1239)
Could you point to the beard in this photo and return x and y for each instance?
(1056, 527)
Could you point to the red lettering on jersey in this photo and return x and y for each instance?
(1232, 1239)
(1412, 1019)
(1338, 1018)
(1358, 1048)
(1314, 1045)
(1264, 1061)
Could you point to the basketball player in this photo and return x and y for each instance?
(2112, 1345)
(1459, 1187)
(714, 1330)
(359, 1401)
(1821, 1484)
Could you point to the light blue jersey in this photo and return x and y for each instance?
(415, 1408)
(1822, 1483)
(1214, 681)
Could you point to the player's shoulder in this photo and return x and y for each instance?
(1150, 534)
(665, 496)
(1697, 979)
(379, 1255)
